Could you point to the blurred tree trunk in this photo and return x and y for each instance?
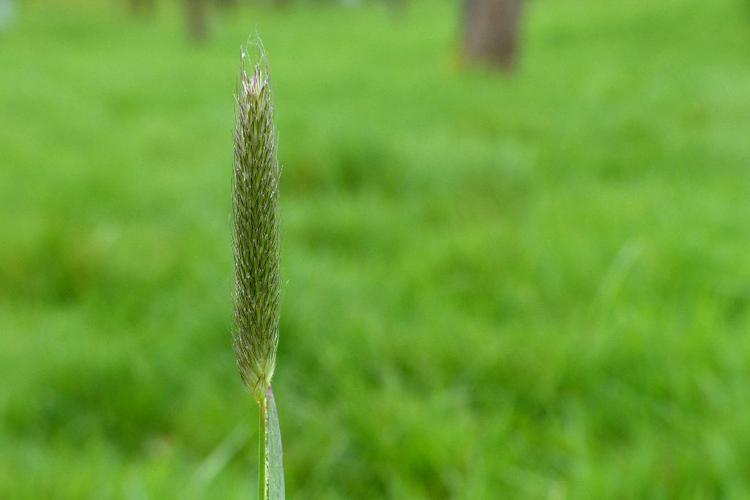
(226, 4)
(491, 31)
(197, 24)
(141, 6)
(396, 8)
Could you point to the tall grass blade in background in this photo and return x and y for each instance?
(256, 260)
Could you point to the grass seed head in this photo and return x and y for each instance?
(256, 228)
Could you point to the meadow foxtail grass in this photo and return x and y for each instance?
(255, 191)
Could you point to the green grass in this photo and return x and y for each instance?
(533, 287)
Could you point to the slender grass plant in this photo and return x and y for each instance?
(256, 259)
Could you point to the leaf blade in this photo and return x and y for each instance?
(275, 455)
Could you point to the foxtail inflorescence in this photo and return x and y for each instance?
(256, 229)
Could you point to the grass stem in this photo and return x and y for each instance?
(263, 450)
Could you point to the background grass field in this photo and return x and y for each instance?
(526, 287)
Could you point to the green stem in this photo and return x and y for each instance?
(263, 450)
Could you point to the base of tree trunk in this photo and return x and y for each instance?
(491, 31)
(197, 24)
(141, 7)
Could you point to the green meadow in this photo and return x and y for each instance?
(526, 286)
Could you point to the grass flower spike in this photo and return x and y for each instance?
(256, 259)
(256, 230)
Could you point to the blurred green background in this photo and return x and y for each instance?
(495, 286)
